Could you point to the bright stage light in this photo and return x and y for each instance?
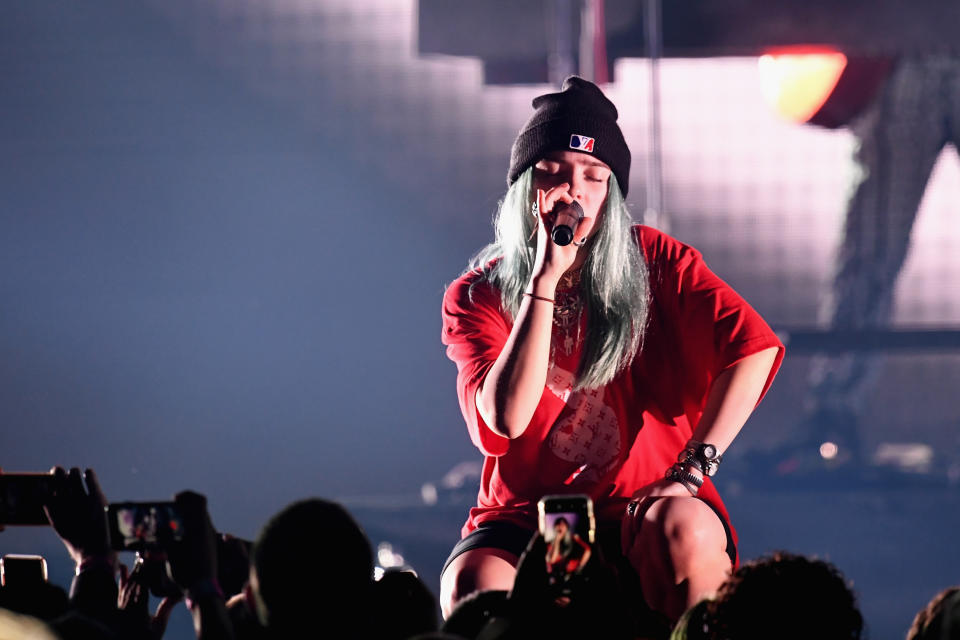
(829, 450)
(798, 83)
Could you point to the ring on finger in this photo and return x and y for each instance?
(535, 210)
(581, 242)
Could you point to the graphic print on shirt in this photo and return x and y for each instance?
(587, 432)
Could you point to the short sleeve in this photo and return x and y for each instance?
(474, 332)
(715, 326)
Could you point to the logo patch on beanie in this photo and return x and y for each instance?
(581, 143)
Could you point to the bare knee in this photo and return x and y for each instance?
(680, 554)
(476, 570)
(688, 527)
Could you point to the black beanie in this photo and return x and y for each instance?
(578, 118)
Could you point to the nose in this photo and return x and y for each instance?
(577, 186)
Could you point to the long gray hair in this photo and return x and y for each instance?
(614, 282)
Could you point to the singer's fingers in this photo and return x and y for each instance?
(583, 230)
(552, 196)
(540, 211)
(545, 210)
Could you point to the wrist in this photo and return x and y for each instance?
(543, 285)
(705, 457)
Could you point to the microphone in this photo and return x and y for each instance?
(565, 224)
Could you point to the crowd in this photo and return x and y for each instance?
(310, 573)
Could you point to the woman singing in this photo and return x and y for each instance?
(617, 366)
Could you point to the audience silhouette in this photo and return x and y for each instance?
(310, 574)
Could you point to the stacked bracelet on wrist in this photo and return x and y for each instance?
(678, 473)
(702, 456)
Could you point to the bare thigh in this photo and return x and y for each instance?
(480, 569)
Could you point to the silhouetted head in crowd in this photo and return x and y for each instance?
(312, 565)
(44, 600)
(403, 606)
(940, 619)
(784, 596)
(14, 625)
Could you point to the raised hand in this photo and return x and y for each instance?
(553, 260)
(134, 596)
(193, 559)
(76, 512)
(531, 586)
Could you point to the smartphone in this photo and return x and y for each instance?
(22, 496)
(142, 526)
(18, 571)
(569, 529)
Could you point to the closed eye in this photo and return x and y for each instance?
(547, 168)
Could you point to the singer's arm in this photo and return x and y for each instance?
(512, 388)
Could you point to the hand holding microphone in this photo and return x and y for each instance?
(568, 217)
(562, 222)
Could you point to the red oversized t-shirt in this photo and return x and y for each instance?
(611, 441)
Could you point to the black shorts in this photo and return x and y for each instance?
(513, 538)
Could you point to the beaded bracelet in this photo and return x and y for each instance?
(677, 473)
